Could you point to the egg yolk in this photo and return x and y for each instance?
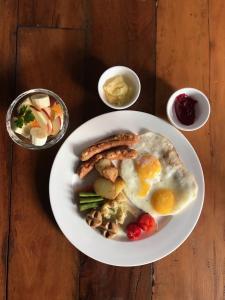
(147, 167)
(143, 188)
(163, 201)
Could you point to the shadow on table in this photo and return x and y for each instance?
(92, 69)
(45, 160)
(7, 92)
(153, 97)
(163, 90)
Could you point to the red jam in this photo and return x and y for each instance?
(185, 109)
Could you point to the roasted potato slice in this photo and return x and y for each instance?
(106, 169)
(121, 197)
(110, 173)
(105, 188)
(108, 189)
(120, 185)
(102, 164)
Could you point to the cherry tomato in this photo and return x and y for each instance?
(133, 231)
(147, 223)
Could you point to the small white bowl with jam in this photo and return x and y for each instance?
(119, 87)
(188, 109)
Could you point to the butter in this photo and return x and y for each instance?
(117, 91)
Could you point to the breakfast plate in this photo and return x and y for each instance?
(173, 230)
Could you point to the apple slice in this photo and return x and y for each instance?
(48, 112)
(38, 136)
(49, 127)
(40, 100)
(56, 125)
(42, 117)
(39, 116)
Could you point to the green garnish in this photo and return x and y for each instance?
(25, 116)
(28, 116)
(22, 110)
(19, 122)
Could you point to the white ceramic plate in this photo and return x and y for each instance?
(64, 181)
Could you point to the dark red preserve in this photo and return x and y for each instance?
(185, 109)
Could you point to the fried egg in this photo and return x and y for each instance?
(157, 181)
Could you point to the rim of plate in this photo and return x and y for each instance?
(113, 243)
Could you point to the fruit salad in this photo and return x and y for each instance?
(38, 118)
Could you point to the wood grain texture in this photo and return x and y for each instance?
(186, 48)
(54, 13)
(8, 22)
(217, 95)
(98, 281)
(183, 59)
(119, 33)
(43, 264)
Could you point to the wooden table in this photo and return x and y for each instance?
(65, 46)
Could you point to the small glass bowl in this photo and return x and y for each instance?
(23, 142)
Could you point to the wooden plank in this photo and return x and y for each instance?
(192, 271)
(98, 281)
(119, 33)
(43, 264)
(8, 18)
(54, 13)
(217, 93)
